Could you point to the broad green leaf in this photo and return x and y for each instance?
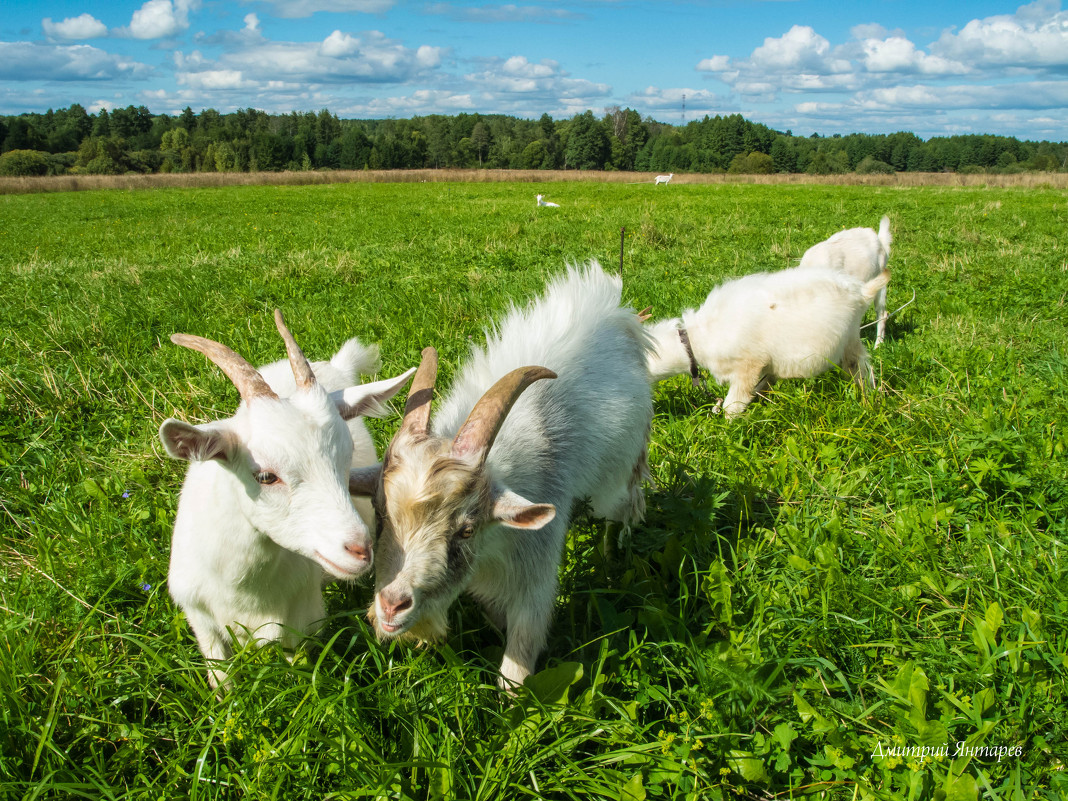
(551, 686)
(994, 617)
(963, 788)
(784, 734)
(634, 790)
(747, 766)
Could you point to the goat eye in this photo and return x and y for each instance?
(266, 477)
(465, 531)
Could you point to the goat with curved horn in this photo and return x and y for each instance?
(265, 513)
(471, 504)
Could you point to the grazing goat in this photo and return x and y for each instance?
(663, 179)
(753, 330)
(265, 508)
(861, 253)
(547, 203)
(481, 501)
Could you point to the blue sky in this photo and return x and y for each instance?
(933, 67)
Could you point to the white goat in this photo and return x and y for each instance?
(753, 330)
(265, 510)
(453, 500)
(547, 203)
(861, 253)
(663, 179)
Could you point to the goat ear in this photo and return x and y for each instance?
(368, 399)
(195, 444)
(363, 481)
(515, 511)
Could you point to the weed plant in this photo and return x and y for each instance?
(834, 596)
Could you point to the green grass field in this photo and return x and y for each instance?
(821, 589)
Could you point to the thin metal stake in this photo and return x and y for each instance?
(622, 233)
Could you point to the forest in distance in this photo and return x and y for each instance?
(73, 141)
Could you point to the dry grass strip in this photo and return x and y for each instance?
(75, 183)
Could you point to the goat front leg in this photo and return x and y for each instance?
(527, 631)
(740, 394)
(525, 641)
(215, 646)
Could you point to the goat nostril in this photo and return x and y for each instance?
(391, 606)
(358, 551)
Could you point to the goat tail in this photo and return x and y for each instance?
(873, 287)
(356, 359)
(884, 234)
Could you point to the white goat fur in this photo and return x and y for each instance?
(547, 203)
(250, 557)
(861, 253)
(453, 525)
(753, 330)
(664, 179)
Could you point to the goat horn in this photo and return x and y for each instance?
(645, 314)
(246, 378)
(417, 409)
(302, 372)
(477, 433)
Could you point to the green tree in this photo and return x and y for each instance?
(480, 140)
(22, 135)
(587, 144)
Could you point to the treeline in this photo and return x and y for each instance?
(133, 139)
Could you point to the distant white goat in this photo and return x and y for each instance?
(753, 330)
(265, 508)
(547, 203)
(861, 253)
(480, 503)
(664, 179)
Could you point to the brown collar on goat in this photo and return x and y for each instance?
(695, 372)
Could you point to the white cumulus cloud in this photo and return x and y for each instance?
(1035, 36)
(159, 19)
(800, 48)
(519, 76)
(26, 61)
(84, 26)
(714, 64)
(898, 54)
(213, 79)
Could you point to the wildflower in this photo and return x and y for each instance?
(126, 494)
(145, 586)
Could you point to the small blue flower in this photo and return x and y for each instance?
(126, 494)
(145, 586)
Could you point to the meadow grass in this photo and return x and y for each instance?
(820, 590)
